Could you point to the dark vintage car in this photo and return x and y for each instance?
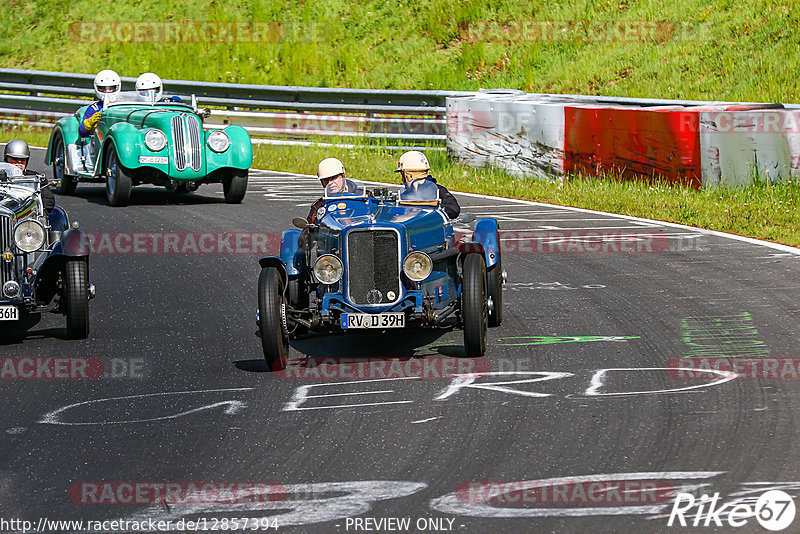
(379, 261)
(148, 140)
(44, 263)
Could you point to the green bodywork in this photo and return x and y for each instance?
(123, 127)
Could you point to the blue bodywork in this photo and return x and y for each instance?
(419, 228)
(38, 288)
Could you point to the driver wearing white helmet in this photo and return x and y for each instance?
(329, 170)
(413, 165)
(150, 87)
(105, 82)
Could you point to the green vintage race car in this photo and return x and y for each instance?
(141, 140)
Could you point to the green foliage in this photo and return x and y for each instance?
(728, 49)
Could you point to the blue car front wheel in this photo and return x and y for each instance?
(272, 318)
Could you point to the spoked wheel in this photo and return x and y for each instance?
(495, 278)
(272, 318)
(234, 185)
(65, 185)
(118, 180)
(474, 305)
(76, 293)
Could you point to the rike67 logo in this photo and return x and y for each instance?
(774, 510)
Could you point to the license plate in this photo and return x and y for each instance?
(9, 313)
(153, 159)
(373, 320)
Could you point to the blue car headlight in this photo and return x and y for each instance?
(218, 141)
(155, 139)
(418, 266)
(328, 269)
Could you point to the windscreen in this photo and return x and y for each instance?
(419, 191)
(11, 171)
(342, 187)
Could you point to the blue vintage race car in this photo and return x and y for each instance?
(44, 263)
(379, 260)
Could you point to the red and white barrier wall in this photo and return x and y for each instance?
(697, 145)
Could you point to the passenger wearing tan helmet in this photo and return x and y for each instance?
(412, 166)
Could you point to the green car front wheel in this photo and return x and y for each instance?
(118, 179)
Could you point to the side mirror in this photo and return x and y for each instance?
(300, 222)
(466, 218)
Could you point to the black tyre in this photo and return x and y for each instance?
(495, 277)
(272, 315)
(118, 179)
(76, 299)
(65, 184)
(473, 305)
(234, 186)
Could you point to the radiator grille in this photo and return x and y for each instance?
(195, 145)
(373, 267)
(178, 143)
(6, 235)
(187, 142)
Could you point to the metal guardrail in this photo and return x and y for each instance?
(288, 114)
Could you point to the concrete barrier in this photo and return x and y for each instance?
(546, 136)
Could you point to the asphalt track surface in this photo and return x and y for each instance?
(202, 406)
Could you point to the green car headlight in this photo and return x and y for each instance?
(155, 140)
(29, 235)
(418, 266)
(218, 141)
(328, 269)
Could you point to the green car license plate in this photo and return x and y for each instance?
(373, 320)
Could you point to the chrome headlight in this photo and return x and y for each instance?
(155, 139)
(29, 235)
(11, 289)
(218, 141)
(418, 266)
(328, 269)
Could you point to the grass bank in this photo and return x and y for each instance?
(693, 49)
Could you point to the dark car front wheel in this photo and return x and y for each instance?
(234, 185)
(272, 318)
(65, 184)
(76, 296)
(473, 305)
(118, 179)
